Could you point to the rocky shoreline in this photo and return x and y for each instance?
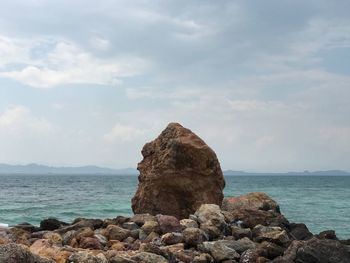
(180, 216)
(245, 229)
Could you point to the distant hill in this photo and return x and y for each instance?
(91, 169)
(43, 169)
(304, 173)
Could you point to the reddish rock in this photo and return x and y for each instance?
(254, 201)
(178, 173)
(169, 224)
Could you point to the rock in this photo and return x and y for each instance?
(250, 256)
(188, 223)
(113, 232)
(220, 251)
(271, 234)
(20, 236)
(253, 201)
(150, 226)
(119, 259)
(172, 238)
(316, 251)
(250, 218)
(140, 219)
(211, 220)
(151, 237)
(51, 224)
(178, 173)
(271, 250)
(68, 237)
(169, 224)
(14, 253)
(327, 234)
(101, 238)
(81, 223)
(46, 249)
(87, 257)
(27, 227)
(203, 258)
(299, 231)
(130, 225)
(240, 245)
(55, 238)
(238, 232)
(146, 257)
(117, 245)
(194, 236)
(90, 243)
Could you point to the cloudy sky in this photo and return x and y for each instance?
(265, 83)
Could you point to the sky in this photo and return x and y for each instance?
(265, 83)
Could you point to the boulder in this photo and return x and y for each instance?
(299, 231)
(253, 201)
(188, 223)
(178, 173)
(194, 236)
(316, 251)
(51, 224)
(172, 238)
(211, 220)
(45, 248)
(14, 253)
(113, 232)
(271, 234)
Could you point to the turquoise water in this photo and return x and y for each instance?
(321, 202)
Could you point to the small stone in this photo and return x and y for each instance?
(188, 223)
(150, 226)
(130, 225)
(169, 224)
(113, 232)
(172, 238)
(194, 236)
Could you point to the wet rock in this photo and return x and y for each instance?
(253, 201)
(146, 257)
(51, 224)
(27, 227)
(169, 224)
(188, 223)
(172, 238)
(14, 253)
(87, 257)
(327, 234)
(116, 233)
(271, 234)
(220, 252)
(178, 173)
(299, 231)
(194, 236)
(316, 251)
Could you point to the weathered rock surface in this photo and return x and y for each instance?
(315, 251)
(14, 253)
(254, 201)
(178, 173)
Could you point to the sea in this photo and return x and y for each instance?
(321, 202)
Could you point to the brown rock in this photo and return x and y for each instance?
(178, 173)
(113, 232)
(90, 243)
(254, 201)
(14, 253)
(169, 224)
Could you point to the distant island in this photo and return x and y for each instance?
(96, 170)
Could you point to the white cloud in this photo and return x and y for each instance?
(66, 63)
(19, 119)
(123, 133)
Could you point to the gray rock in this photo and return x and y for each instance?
(113, 232)
(220, 251)
(87, 257)
(14, 253)
(194, 236)
(146, 257)
(172, 238)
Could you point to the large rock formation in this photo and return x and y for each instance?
(178, 173)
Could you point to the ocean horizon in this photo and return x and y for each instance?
(321, 202)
